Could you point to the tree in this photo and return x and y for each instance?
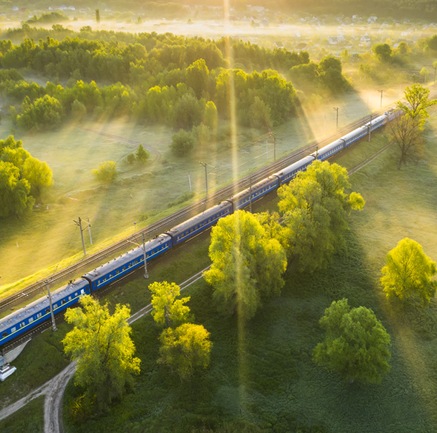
(383, 52)
(43, 113)
(106, 172)
(15, 198)
(142, 155)
(247, 265)
(185, 349)
(197, 76)
(22, 178)
(187, 112)
(182, 143)
(104, 351)
(407, 130)
(167, 310)
(315, 207)
(39, 175)
(356, 344)
(416, 103)
(407, 134)
(408, 274)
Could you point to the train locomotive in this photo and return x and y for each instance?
(28, 317)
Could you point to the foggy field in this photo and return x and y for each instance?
(142, 194)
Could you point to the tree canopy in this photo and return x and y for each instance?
(315, 207)
(408, 274)
(22, 178)
(167, 309)
(104, 351)
(247, 264)
(356, 343)
(185, 349)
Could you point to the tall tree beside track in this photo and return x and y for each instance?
(356, 343)
(22, 178)
(100, 342)
(315, 207)
(247, 264)
(408, 274)
(167, 309)
(407, 129)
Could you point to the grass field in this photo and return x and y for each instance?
(261, 377)
(33, 248)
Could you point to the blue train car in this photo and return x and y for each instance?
(128, 262)
(26, 318)
(290, 172)
(329, 150)
(255, 192)
(199, 223)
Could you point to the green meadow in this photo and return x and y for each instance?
(261, 377)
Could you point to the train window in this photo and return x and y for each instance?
(38, 315)
(5, 334)
(63, 302)
(13, 329)
(30, 319)
(47, 310)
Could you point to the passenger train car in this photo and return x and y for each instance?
(37, 312)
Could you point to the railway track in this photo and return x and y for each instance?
(61, 277)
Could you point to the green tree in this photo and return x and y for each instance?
(23, 178)
(259, 115)
(182, 143)
(15, 198)
(43, 113)
(167, 309)
(197, 76)
(416, 103)
(247, 265)
(383, 52)
(356, 343)
(315, 208)
(210, 117)
(106, 172)
(142, 155)
(187, 112)
(39, 175)
(408, 274)
(185, 349)
(104, 351)
(407, 130)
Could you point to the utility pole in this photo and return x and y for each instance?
(273, 137)
(79, 224)
(89, 231)
(49, 295)
(336, 122)
(205, 166)
(382, 92)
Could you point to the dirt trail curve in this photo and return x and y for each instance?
(54, 392)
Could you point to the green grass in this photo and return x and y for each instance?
(261, 377)
(34, 248)
(30, 419)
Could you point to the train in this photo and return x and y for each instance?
(30, 316)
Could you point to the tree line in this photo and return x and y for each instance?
(156, 78)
